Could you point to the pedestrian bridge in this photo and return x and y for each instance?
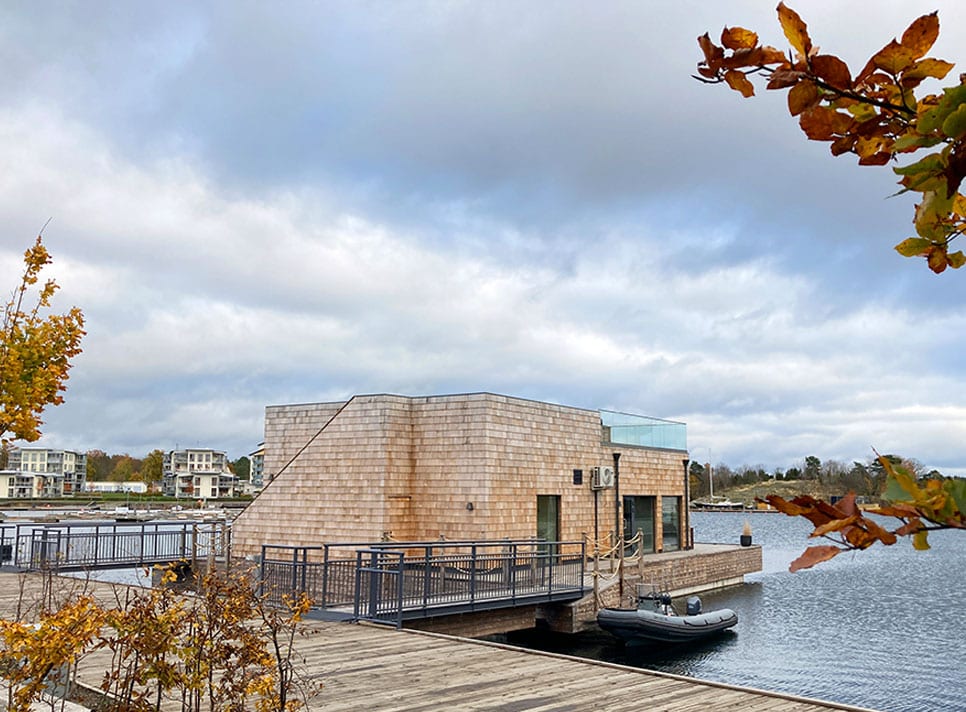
(392, 582)
(83, 546)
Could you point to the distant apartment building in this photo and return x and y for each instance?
(52, 473)
(16, 485)
(198, 474)
(257, 472)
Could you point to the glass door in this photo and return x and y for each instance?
(639, 517)
(548, 519)
(671, 523)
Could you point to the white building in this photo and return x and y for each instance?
(131, 487)
(257, 470)
(55, 473)
(15, 484)
(198, 474)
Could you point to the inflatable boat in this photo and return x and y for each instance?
(655, 620)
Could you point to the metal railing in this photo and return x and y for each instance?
(391, 581)
(67, 547)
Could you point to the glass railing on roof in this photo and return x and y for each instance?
(644, 431)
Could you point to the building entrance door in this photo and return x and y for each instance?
(548, 518)
(639, 516)
(671, 523)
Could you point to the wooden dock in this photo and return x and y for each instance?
(376, 668)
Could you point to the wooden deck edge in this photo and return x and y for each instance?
(629, 668)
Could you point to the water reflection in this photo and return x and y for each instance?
(884, 628)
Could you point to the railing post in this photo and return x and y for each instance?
(294, 576)
(305, 568)
(400, 569)
(620, 577)
(43, 547)
(640, 554)
(550, 558)
(513, 570)
(473, 575)
(358, 587)
(427, 574)
(141, 552)
(375, 582)
(325, 575)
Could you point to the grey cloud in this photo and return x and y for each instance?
(263, 204)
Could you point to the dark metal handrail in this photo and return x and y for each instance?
(429, 578)
(116, 545)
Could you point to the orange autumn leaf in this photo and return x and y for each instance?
(803, 96)
(832, 70)
(874, 115)
(814, 555)
(738, 38)
(739, 82)
(921, 35)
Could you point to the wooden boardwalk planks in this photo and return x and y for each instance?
(378, 669)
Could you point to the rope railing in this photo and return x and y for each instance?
(620, 563)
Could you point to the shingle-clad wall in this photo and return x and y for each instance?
(449, 461)
(334, 490)
(290, 427)
(460, 467)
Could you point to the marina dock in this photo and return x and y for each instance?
(377, 668)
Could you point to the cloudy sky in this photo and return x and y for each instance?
(265, 203)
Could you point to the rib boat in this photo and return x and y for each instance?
(654, 619)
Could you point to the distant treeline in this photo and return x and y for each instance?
(863, 478)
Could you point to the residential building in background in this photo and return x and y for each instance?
(53, 473)
(16, 485)
(257, 472)
(198, 473)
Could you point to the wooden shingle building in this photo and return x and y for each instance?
(474, 466)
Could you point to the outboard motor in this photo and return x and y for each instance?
(694, 606)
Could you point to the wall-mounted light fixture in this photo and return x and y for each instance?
(469, 507)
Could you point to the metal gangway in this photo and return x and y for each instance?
(84, 546)
(389, 582)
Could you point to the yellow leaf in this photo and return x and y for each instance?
(928, 68)
(913, 247)
(796, 32)
(956, 259)
(920, 540)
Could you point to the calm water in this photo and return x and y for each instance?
(884, 628)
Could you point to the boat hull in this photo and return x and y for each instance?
(636, 625)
